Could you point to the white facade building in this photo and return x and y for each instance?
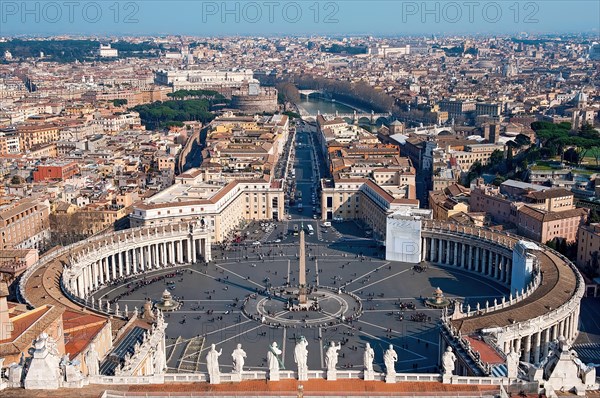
(403, 235)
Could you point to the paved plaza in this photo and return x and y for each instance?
(213, 296)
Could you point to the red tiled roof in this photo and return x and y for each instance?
(488, 354)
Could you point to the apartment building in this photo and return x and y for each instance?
(456, 108)
(222, 207)
(238, 144)
(56, 171)
(537, 212)
(474, 153)
(361, 199)
(10, 142)
(24, 224)
(544, 226)
(488, 109)
(33, 135)
(588, 245)
(449, 201)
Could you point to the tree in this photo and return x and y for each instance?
(16, 180)
(119, 102)
(288, 92)
(498, 180)
(571, 155)
(496, 157)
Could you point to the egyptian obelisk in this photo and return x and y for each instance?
(302, 272)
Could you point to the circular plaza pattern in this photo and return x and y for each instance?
(224, 302)
(329, 307)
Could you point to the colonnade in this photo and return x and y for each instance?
(534, 345)
(490, 254)
(492, 261)
(123, 255)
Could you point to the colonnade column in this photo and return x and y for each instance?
(455, 262)
(107, 270)
(439, 254)
(470, 265)
(140, 258)
(546, 345)
(194, 255)
(134, 260)
(527, 349)
(575, 325)
(496, 266)
(154, 262)
(536, 347)
(127, 263)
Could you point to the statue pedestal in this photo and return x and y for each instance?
(332, 375)
(390, 378)
(236, 377)
(215, 379)
(369, 375)
(274, 375)
(447, 379)
(302, 375)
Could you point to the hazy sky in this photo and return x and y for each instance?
(299, 17)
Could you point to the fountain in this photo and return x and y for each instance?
(167, 303)
(438, 300)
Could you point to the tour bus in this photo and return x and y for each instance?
(310, 229)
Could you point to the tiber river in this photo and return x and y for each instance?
(312, 105)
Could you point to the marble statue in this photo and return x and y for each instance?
(512, 364)
(91, 361)
(331, 360)
(368, 357)
(238, 356)
(44, 368)
(331, 356)
(448, 359)
(212, 364)
(159, 360)
(15, 375)
(389, 359)
(301, 358)
(274, 361)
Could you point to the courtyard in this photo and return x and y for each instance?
(351, 274)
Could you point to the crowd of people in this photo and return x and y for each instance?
(136, 285)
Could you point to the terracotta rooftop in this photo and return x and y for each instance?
(546, 216)
(79, 330)
(488, 354)
(262, 388)
(27, 327)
